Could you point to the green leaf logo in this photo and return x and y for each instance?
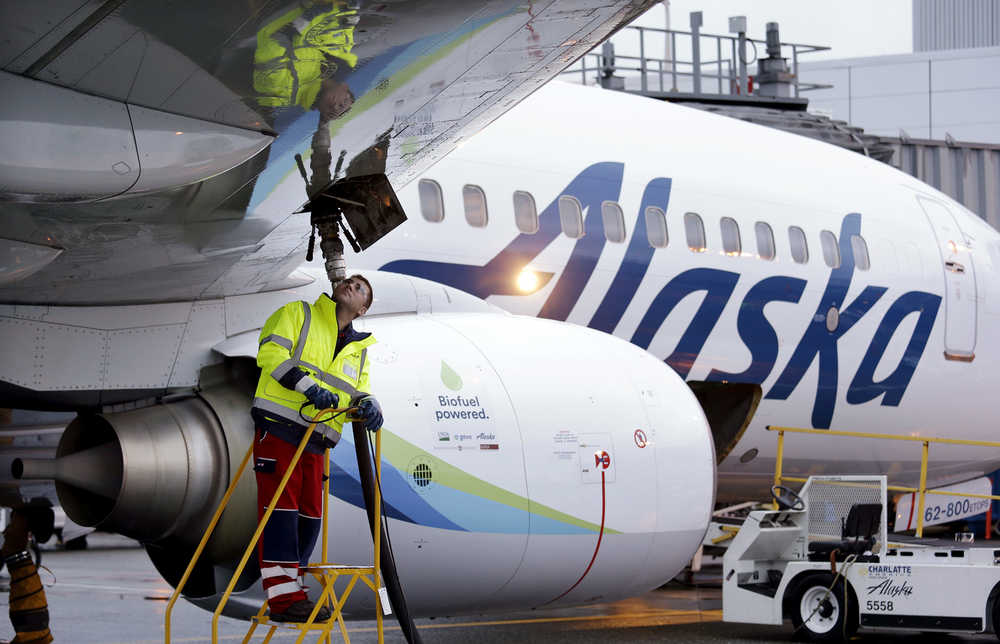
(450, 379)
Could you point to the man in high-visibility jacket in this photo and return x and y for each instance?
(311, 359)
(303, 56)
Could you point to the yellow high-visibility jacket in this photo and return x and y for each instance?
(299, 49)
(297, 341)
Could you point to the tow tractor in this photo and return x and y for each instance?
(824, 559)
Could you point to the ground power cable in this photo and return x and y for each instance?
(369, 481)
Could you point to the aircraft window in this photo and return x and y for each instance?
(656, 227)
(694, 230)
(860, 249)
(431, 200)
(730, 236)
(831, 253)
(614, 222)
(797, 241)
(571, 216)
(475, 206)
(765, 240)
(525, 213)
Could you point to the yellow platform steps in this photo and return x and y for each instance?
(325, 572)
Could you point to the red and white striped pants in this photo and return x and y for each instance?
(290, 535)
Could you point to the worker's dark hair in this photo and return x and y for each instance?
(371, 293)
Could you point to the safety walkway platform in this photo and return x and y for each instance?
(325, 572)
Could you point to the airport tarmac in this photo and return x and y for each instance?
(111, 594)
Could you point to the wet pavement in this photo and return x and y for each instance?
(111, 594)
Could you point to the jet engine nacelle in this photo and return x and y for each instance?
(156, 474)
(525, 462)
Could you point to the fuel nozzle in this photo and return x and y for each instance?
(361, 206)
(332, 248)
(326, 221)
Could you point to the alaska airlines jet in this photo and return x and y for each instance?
(775, 275)
(847, 294)
(150, 201)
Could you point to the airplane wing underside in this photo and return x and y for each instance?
(149, 147)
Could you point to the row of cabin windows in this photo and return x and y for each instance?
(571, 222)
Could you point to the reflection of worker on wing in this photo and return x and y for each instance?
(292, 390)
(302, 58)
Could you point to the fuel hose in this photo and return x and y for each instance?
(366, 456)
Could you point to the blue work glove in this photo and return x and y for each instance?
(321, 398)
(371, 413)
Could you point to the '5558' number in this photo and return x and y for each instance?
(878, 605)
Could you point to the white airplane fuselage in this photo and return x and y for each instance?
(889, 328)
(901, 342)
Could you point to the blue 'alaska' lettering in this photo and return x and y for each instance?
(756, 332)
(820, 342)
(587, 250)
(598, 183)
(863, 387)
(636, 262)
(603, 182)
(718, 286)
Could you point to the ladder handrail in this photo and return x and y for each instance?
(267, 515)
(204, 541)
(924, 459)
(224, 502)
(891, 437)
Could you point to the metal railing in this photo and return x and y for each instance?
(921, 490)
(323, 571)
(723, 71)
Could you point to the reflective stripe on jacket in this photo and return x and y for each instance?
(304, 336)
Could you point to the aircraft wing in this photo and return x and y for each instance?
(149, 147)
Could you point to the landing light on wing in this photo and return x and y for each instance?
(527, 281)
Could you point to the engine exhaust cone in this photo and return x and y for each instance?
(148, 474)
(97, 470)
(157, 474)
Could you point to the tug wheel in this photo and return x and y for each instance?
(818, 611)
(995, 614)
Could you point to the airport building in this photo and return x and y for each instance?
(936, 106)
(923, 95)
(931, 113)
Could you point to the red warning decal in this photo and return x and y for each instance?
(602, 459)
(640, 438)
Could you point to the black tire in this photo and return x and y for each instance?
(995, 614)
(818, 615)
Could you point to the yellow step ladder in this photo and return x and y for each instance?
(325, 572)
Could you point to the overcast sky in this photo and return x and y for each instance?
(851, 27)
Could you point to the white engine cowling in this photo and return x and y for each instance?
(545, 461)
